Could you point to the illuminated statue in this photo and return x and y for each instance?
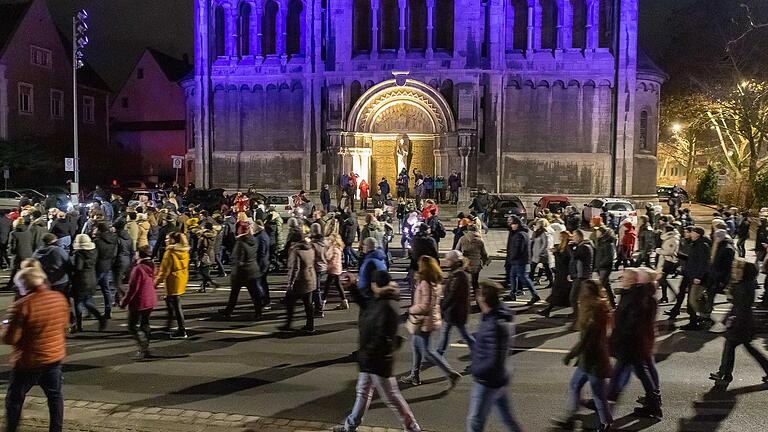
(403, 153)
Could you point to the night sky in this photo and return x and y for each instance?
(121, 29)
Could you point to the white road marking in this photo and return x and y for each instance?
(245, 332)
(520, 349)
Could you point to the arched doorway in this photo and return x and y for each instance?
(392, 112)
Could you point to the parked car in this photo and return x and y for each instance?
(155, 195)
(208, 199)
(555, 203)
(664, 192)
(504, 206)
(134, 185)
(617, 207)
(284, 205)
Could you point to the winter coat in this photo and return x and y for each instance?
(364, 190)
(743, 229)
(106, 248)
(481, 203)
(696, 263)
(38, 228)
(325, 196)
(59, 228)
(592, 350)
(422, 245)
(372, 261)
(319, 245)
(474, 250)
(302, 278)
(5, 229)
(426, 305)
(84, 281)
(518, 247)
(670, 246)
(634, 333)
(133, 231)
(143, 239)
(580, 265)
(541, 243)
(605, 251)
(125, 252)
(628, 241)
(206, 247)
(349, 230)
(262, 249)
(384, 186)
(761, 237)
(377, 328)
(21, 245)
(722, 262)
(455, 304)
(245, 259)
(141, 293)
(373, 230)
(333, 259)
(55, 262)
(646, 239)
(174, 270)
(561, 288)
(493, 340)
(730, 224)
(740, 323)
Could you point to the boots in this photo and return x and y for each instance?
(412, 379)
(651, 406)
(344, 305)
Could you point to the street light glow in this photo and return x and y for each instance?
(677, 127)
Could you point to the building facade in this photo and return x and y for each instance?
(520, 96)
(36, 96)
(149, 118)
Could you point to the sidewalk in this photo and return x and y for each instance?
(85, 416)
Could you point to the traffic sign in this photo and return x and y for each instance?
(178, 162)
(6, 172)
(69, 164)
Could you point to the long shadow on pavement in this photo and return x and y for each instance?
(715, 407)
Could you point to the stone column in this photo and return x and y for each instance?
(230, 35)
(255, 30)
(403, 29)
(531, 28)
(564, 20)
(430, 27)
(4, 104)
(593, 24)
(374, 29)
(280, 31)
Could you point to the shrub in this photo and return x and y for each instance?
(706, 191)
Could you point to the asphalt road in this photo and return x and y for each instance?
(249, 368)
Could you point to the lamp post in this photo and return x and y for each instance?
(79, 41)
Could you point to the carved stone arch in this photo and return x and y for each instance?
(284, 86)
(590, 83)
(368, 84)
(231, 87)
(605, 83)
(514, 84)
(558, 83)
(257, 87)
(529, 83)
(219, 87)
(433, 83)
(244, 87)
(543, 83)
(416, 94)
(271, 87)
(574, 83)
(297, 86)
(642, 87)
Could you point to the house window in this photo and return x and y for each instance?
(88, 109)
(57, 104)
(140, 73)
(644, 130)
(26, 95)
(40, 57)
(124, 102)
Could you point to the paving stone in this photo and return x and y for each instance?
(281, 422)
(152, 410)
(80, 404)
(203, 414)
(170, 411)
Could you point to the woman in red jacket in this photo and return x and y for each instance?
(626, 245)
(364, 190)
(140, 300)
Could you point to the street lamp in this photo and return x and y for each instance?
(79, 42)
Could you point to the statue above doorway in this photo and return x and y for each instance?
(403, 153)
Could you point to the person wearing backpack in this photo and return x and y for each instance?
(436, 228)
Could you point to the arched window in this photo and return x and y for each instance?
(220, 31)
(417, 25)
(548, 23)
(355, 91)
(389, 27)
(606, 24)
(294, 26)
(443, 25)
(446, 89)
(644, 130)
(361, 26)
(579, 23)
(269, 28)
(244, 30)
(517, 25)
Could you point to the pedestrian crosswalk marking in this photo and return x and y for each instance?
(245, 332)
(522, 349)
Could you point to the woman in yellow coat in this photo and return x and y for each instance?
(174, 273)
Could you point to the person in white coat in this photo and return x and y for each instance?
(668, 260)
(541, 244)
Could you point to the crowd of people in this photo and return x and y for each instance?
(130, 252)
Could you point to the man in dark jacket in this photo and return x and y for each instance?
(422, 244)
(21, 247)
(489, 360)
(517, 260)
(385, 189)
(55, 263)
(245, 271)
(349, 232)
(580, 266)
(374, 259)
(123, 258)
(695, 271)
(106, 250)
(263, 244)
(5, 233)
(325, 198)
(378, 343)
(455, 303)
(480, 205)
(38, 228)
(604, 255)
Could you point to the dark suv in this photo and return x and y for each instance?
(502, 207)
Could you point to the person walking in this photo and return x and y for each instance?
(472, 246)
(333, 255)
(106, 251)
(646, 243)
(605, 252)
(668, 261)
(302, 281)
(317, 240)
(480, 205)
(6, 226)
(246, 272)
(374, 259)
(541, 245)
(263, 248)
(721, 262)
(561, 289)
(36, 329)
(424, 318)
(740, 325)
(593, 364)
(141, 299)
(174, 273)
(632, 340)
(349, 232)
(123, 259)
(696, 268)
(455, 305)
(325, 198)
(517, 260)
(742, 233)
(364, 191)
(206, 255)
(55, 263)
(21, 247)
(378, 342)
(580, 266)
(84, 281)
(493, 341)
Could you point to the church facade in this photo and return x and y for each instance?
(519, 96)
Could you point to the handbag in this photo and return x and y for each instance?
(699, 299)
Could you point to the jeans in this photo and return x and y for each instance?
(138, 326)
(445, 333)
(598, 395)
(684, 285)
(175, 312)
(290, 302)
(265, 289)
(4, 260)
(65, 242)
(547, 269)
(741, 246)
(107, 290)
(389, 393)
(317, 294)
(605, 281)
(333, 281)
(254, 290)
(517, 273)
(729, 356)
(645, 370)
(481, 401)
(421, 349)
(20, 382)
(349, 256)
(86, 304)
(454, 196)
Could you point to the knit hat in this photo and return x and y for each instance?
(699, 230)
(83, 242)
(50, 238)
